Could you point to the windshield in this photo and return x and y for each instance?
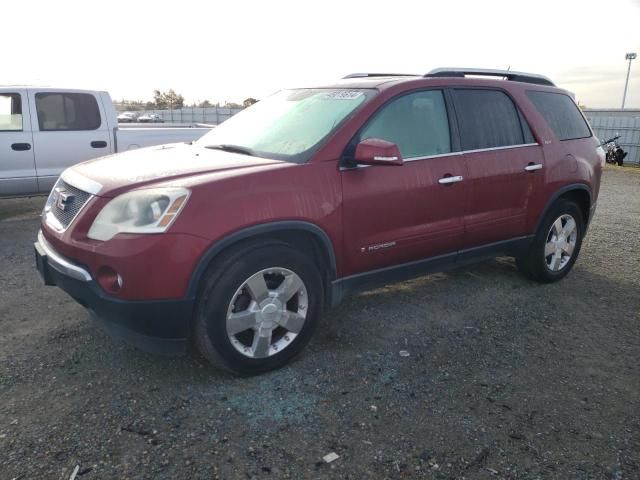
(288, 125)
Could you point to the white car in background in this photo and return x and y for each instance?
(127, 117)
(45, 130)
(150, 118)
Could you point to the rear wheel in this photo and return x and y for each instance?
(556, 244)
(258, 308)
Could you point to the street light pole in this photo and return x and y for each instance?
(630, 57)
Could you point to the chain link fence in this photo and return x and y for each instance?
(189, 115)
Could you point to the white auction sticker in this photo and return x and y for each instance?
(344, 95)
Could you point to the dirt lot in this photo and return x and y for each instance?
(505, 378)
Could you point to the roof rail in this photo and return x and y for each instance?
(365, 75)
(508, 74)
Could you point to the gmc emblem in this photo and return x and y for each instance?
(62, 199)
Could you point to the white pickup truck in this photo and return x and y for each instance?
(45, 130)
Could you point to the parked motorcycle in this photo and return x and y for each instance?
(614, 153)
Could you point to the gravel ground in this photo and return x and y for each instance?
(505, 378)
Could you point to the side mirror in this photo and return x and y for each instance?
(375, 151)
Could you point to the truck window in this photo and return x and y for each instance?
(67, 111)
(488, 119)
(417, 123)
(10, 112)
(561, 114)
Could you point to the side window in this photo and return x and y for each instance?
(67, 111)
(10, 112)
(487, 119)
(526, 130)
(416, 122)
(561, 114)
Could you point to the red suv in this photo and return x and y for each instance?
(238, 242)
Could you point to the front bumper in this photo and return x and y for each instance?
(158, 326)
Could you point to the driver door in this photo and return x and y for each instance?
(398, 214)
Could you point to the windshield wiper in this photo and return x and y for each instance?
(233, 148)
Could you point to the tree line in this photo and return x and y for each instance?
(170, 100)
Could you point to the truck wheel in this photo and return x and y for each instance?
(258, 308)
(556, 245)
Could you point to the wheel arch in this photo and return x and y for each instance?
(296, 233)
(577, 192)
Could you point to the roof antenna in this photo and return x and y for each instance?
(508, 68)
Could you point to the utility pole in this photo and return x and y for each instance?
(630, 57)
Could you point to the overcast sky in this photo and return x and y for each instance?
(230, 50)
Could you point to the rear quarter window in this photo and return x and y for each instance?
(561, 114)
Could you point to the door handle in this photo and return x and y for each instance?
(20, 147)
(532, 167)
(447, 180)
(98, 144)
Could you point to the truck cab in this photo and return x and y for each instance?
(45, 130)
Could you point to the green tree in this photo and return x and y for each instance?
(168, 99)
(205, 104)
(158, 99)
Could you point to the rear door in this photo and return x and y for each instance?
(504, 161)
(17, 165)
(68, 128)
(399, 214)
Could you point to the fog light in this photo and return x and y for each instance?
(109, 279)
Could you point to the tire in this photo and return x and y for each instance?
(554, 232)
(250, 287)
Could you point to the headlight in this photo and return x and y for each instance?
(139, 211)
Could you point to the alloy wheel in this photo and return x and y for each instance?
(267, 312)
(561, 242)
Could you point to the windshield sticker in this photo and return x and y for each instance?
(343, 95)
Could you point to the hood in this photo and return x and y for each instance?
(136, 168)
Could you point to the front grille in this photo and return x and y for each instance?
(64, 203)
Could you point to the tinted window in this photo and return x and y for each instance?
(526, 130)
(10, 112)
(417, 123)
(487, 119)
(561, 114)
(67, 111)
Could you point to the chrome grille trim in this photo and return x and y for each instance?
(60, 219)
(83, 183)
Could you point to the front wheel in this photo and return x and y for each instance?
(258, 308)
(556, 245)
